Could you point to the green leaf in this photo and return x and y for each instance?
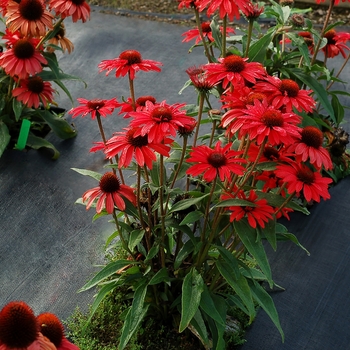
(235, 202)
(198, 324)
(105, 290)
(191, 217)
(107, 271)
(135, 238)
(186, 203)
(36, 142)
(229, 262)
(4, 137)
(270, 233)
(152, 253)
(266, 302)
(239, 285)
(317, 88)
(134, 316)
(161, 276)
(58, 125)
(17, 107)
(192, 289)
(257, 51)
(184, 252)
(286, 236)
(249, 238)
(93, 174)
(338, 108)
(208, 306)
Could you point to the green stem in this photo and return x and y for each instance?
(224, 26)
(125, 245)
(132, 92)
(328, 16)
(162, 210)
(249, 36)
(206, 242)
(200, 112)
(199, 25)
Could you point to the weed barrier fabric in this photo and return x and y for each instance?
(314, 308)
(49, 246)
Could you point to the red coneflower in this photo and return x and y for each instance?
(262, 121)
(23, 59)
(30, 17)
(102, 107)
(52, 328)
(207, 33)
(159, 120)
(300, 178)
(140, 104)
(129, 146)
(308, 39)
(259, 213)
(235, 70)
(34, 90)
(199, 78)
(336, 2)
(109, 193)
(309, 147)
(335, 43)
(226, 7)
(129, 61)
(220, 161)
(286, 93)
(187, 3)
(78, 9)
(60, 39)
(19, 329)
(252, 11)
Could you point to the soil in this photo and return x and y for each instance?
(167, 11)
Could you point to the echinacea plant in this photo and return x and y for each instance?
(193, 221)
(34, 30)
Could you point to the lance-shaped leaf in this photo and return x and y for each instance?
(192, 289)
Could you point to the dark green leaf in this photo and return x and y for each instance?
(208, 306)
(58, 125)
(257, 51)
(186, 203)
(192, 217)
(192, 289)
(249, 238)
(93, 174)
(161, 276)
(135, 315)
(17, 107)
(266, 302)
(36, 142)
(4, 137)
(106, 272)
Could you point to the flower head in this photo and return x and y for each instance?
(129, 146)
(226, 7)
(60, 39)
(30, 17)
(22, 59)
(262, 121)
(187, 3)
(34, 90)
(252, 11)
(102, 107)
(129, 61)
(299, 178)
(199, 78)
(220, 161)
(19, 329)
(78, 9)
(336, 43)
(52, 328)
(259, 213)
(235, 70)
(336, 2)
(109, 193)
(160, 120)
(286, 93)
(309, 147)
(207, 33)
